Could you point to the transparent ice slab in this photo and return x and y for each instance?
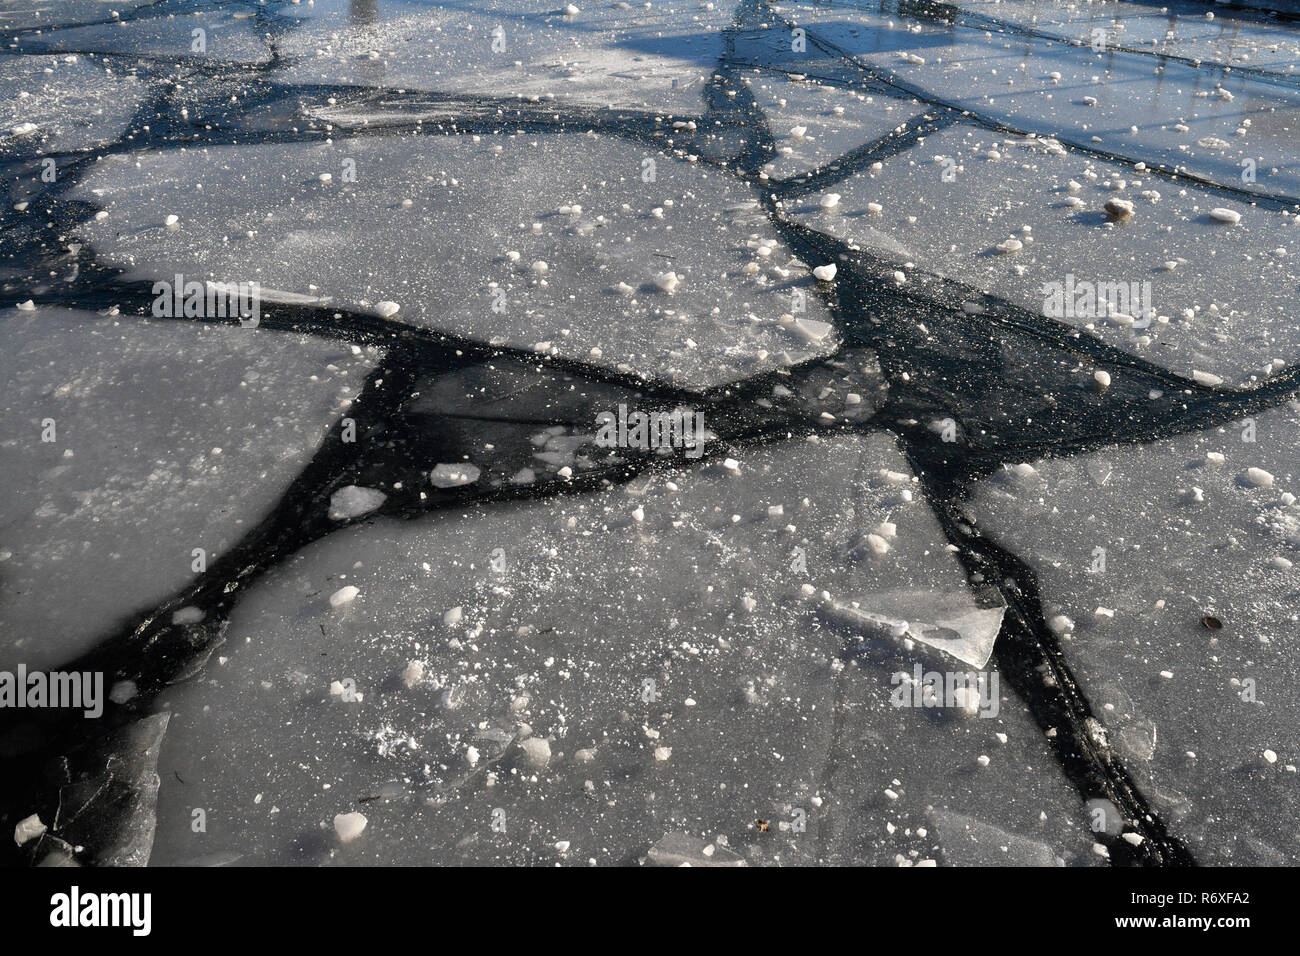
(815, 124)
(152, 458)
(552, 243)
(1134, 546)
(1226, 37)
(956, 197)
(216, 34)
(603, 55)
(1124, 104)
(72, 102)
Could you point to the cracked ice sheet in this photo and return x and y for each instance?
(1240, 280)
(1229, 38)
(745, 695)
(1169, 560)
(958, 68)
(357, 243)
(101, 523)
(791, 105)
(75, 103)
(605, 55)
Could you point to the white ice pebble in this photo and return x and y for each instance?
(188, 615)
(344, 596)
(1008, 246)
(413, 675)
(1206, 378)
(28, 828)
(536, 751)
(825, 273)
(1119, 208)
(386, 308)
(667, 282)
(454, 616)
(1060, 625)
(348, 826)
(1229, 216)
(451, 476)
(1259, 478)
(830, 201)
(352, 501)
(878, 545)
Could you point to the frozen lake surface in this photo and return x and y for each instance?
(710, 433)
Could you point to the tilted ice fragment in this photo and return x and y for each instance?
(950, 622)
(966, 841)
(108, 804)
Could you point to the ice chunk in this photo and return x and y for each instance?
(353, 501)
(28, 828)
(349, 826)
(452, 476)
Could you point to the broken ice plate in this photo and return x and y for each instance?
(950, 622)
